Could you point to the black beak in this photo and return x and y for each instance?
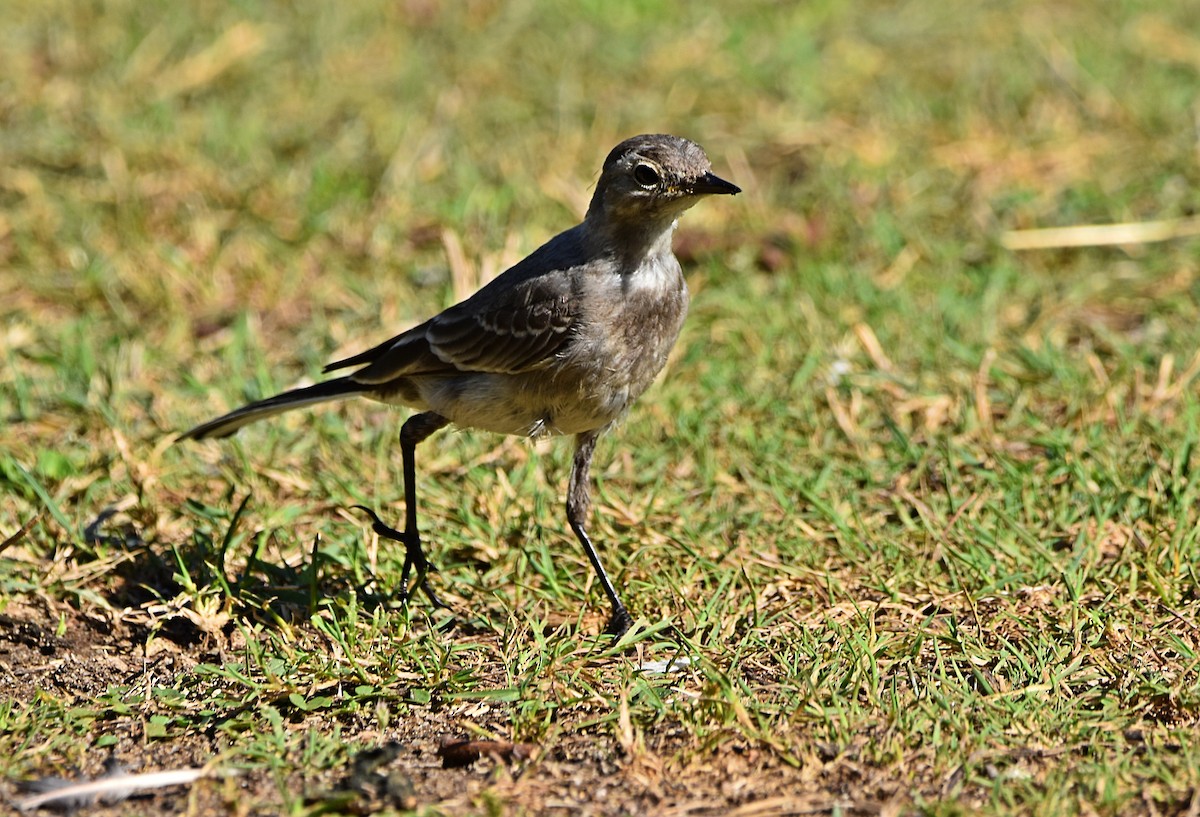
(708, 185)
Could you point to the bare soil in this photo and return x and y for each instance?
(579, 772)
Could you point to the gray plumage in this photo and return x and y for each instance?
(561, 343)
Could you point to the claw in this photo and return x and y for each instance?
(414, 557)
(380, 527)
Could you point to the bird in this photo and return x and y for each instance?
(561, 343)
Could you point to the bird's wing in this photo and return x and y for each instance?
(508, 328)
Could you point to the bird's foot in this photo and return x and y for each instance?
(620, 622)
(414, 557)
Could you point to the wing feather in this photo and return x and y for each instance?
(520, 330)
(516, 323)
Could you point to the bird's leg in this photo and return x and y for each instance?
(414, 430)
(578, 505)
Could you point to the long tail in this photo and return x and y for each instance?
(322, 392)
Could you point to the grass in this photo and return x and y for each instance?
(920, 511)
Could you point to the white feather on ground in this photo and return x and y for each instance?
(68, 795)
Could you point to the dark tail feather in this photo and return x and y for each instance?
(368, 356)
(231, 422)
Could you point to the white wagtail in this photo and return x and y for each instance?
(561, 343)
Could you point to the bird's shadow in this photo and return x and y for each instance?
(217, 562)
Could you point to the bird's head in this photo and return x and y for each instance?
(649, 180)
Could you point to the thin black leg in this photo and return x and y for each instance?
(414, 430)
(578, 504)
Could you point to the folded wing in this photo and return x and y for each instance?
(508, 329)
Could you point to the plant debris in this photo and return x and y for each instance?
(456, 754)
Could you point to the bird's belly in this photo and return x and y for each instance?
(529, 404)
(614, 356)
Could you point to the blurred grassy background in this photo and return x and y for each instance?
(924, 505)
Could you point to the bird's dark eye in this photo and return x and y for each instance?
(646, 176)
